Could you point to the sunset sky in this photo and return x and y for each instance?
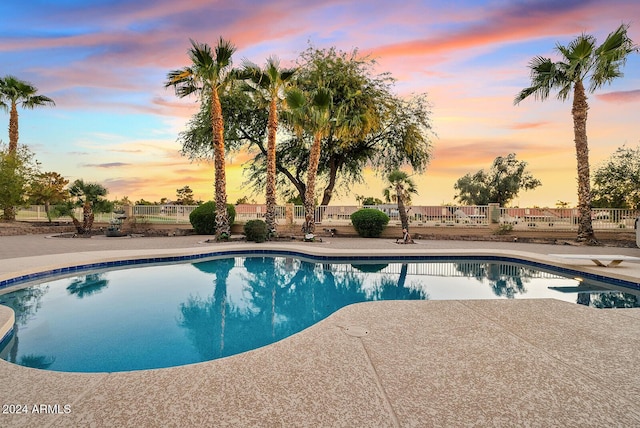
(104, 62)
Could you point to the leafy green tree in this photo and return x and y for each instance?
(501, 184)
(208, 76)
(184, 196)
(368, 200)
(400, 189)
(48, 188)
(122, 201)
(245, 200)
(581, 60)
(145, 202)
(370, 126)
(268, 86)
(13, 92)
(245, 125)
(17, 169)
(616, 183)
(89, 196)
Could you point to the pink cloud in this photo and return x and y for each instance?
(528, 125)
(519, 21)
(620, 96)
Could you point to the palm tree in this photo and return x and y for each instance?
(89, 196)
(581, 60)
(311, 113)
(208, 75)
(400, 189)
(269, 85)
(13, 92)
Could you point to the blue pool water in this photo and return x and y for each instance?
(169, 315)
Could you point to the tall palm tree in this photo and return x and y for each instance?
(400, 189)
(269, 85)
(581, 60)
(13, 92)
(311, 113)
(209, 74)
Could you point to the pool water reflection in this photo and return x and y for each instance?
(169, 315)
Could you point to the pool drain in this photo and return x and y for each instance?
(355, 330)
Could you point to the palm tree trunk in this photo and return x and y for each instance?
(13, 129)
(223, 230)
(9, 213)
(333, 171)
(270, 215)
(402, 212)
(47, 210)
(579, 112)
(309, 205)
(87, 217)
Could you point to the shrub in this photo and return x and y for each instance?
(369, 222)
(504, 229)
(256, 230)
(203, 218)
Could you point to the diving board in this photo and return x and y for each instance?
(598, 259)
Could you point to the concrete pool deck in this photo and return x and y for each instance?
(427, 363)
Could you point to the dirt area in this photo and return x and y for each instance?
(68, 230)
(612, 239)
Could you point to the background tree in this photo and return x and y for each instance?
(581, 60)
(48, 188)
(397, 131)
(501, 184)
(616, 183)
(123, 201)
(17, 169)
(400, 189)
(89, 196)
(245, 200)
(374, 127)
(268, 85)
(13, 92)
(184, 196)
(143, 201)
(368, 200)
(208, 76)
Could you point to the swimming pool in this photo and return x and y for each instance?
(169, 315)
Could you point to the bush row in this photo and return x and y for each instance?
(368, 222)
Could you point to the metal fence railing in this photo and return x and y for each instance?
(163, 213)
(38, 213)
(565, 219)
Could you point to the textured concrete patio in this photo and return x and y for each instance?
(428, 363)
